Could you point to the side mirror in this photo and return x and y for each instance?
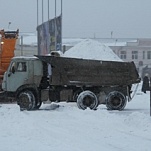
(9, 74)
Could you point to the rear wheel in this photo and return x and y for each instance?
(115, 101)
(87, 99)
(26, 100)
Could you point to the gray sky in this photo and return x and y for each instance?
(83, 18)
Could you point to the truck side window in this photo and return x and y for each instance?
(12, 69)
(21, 66)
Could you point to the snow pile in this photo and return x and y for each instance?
(91, 49)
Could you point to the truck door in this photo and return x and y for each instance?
(16, 75)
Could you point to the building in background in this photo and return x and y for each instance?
(138, 51)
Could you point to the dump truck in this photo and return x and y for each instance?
(89, 83)
(7, 48)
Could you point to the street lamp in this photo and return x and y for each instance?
(2, 43)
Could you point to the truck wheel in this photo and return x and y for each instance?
(115, 101)
(26, 100)
(87, 99)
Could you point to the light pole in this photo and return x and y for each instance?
(42, 11)
(48, 9)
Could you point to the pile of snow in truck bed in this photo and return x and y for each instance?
(91, 49)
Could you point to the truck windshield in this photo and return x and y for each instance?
(21, 66)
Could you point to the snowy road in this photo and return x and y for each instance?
(67, 128)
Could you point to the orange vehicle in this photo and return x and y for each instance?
(7, 48)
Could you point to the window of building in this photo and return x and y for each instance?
(123, 54)
(148, 54)
(134, 54)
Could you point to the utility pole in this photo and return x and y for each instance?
(42, 11)
(48, 9)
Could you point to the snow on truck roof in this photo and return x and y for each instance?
(25, 57)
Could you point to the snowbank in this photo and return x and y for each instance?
(64, 127)
(91, 49)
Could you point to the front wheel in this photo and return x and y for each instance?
(26, 100)
(87, 99)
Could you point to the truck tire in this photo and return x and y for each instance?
(87, 99)
(115, 101)
(26, 100)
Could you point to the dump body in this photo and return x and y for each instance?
(71, 71)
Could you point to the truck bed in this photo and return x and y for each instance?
(83, 72)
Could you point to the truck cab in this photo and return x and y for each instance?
(23, 80)
(21, 72)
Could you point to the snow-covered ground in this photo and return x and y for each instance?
(67, 128)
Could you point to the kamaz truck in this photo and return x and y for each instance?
(89, 83)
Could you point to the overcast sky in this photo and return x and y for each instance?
(82, 18)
